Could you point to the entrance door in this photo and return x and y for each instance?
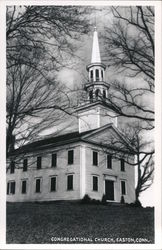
(109, 190)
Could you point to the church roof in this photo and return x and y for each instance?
(51, 142)
(68, 138)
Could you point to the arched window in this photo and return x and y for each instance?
(97, 93)
(90, 95)
(97, 75)
(91, 75)
(104, 94)
(102, 74)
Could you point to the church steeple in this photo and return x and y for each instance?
(96, 58)
(95, 112)
(96, 86)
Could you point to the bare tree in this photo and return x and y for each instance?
(143, 151)
(129, 46)
(40, 40)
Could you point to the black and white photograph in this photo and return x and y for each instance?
(81, 132)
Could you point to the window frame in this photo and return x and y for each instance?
(93, 158)
(94, 177)
(70, 162)
(97, 74)
(71, 188)
(40, 184)
(53, 177)
(10, 187)
(91, 75)
(54, 160)
(22, 181)
(123, 188)
(109, 160)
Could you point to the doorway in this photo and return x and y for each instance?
(109, 190)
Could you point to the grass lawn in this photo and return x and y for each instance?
(47, 222)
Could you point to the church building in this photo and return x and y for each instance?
(86, 161)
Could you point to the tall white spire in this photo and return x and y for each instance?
(95, 49)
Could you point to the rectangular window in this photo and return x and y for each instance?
(95, 158)
(70, 157)
(102, 74)
(39, 162)
(91, 75)
(12, 167)
(23, 187)
(109, 161)
(53, 183)
(70, 182)
(37, 187)
(25, 165)
(95, 183)
(12, 191)
(97, 75)
(122, 164)
(54, 160)
(123, 188)
(11, 187)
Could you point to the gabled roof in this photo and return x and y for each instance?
(92, 136)
(51, 142)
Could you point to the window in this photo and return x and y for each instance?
(95, 158)
(70, 157)
(70, 182)
(23, 187)
(11, 187)
(53, 183)
(97, 75)
(39, 162)
(102, 74)
(91, 75)
(122, 165)
(95, 183)
(97, 93)
(91, 95)
(104, 94)
(12, 169)
(38, 185)
(109, 161)
(25, 165)
(54, 160)
(123, 187)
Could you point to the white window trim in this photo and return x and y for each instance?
(125, 186)
(52, 176)
(97, 158)
(52, 153)
(25, 179)
(11, 181)
(67, 182)
(41, 181)
(107, 162)
(94, 175)
(70, 149)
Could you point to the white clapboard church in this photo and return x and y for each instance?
(85, 161)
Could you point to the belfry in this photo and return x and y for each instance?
(96, 111)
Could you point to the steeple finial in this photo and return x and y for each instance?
(95, 49)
